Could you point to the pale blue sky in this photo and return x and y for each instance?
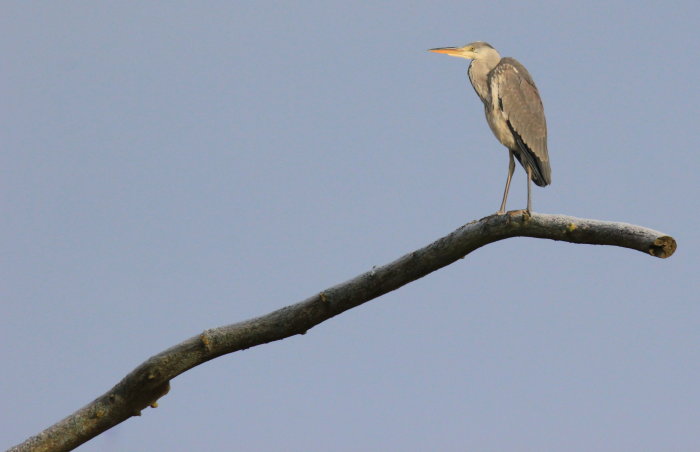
(168, 167)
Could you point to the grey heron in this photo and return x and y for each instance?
(513, 110)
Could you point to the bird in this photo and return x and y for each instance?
(513, 110)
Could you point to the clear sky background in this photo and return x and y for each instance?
(168, 167)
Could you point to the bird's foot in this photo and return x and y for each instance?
(518, 213)
(526, 214)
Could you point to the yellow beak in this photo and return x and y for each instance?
(452, 51)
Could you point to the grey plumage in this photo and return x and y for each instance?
(513, 110)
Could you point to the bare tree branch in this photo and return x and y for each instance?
(150, 381)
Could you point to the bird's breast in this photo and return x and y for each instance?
(499, 126)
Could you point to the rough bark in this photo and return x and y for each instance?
(150, 381)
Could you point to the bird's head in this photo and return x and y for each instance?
(473, 51)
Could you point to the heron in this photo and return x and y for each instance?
(513, 110)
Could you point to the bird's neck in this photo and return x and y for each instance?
(478, 75)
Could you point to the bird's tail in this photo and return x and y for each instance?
(540, 169)
(542, 173)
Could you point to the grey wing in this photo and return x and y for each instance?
(519, 102)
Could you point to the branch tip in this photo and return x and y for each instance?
(663, 247)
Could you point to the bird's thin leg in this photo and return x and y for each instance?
(529, 187)
(511, 168)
